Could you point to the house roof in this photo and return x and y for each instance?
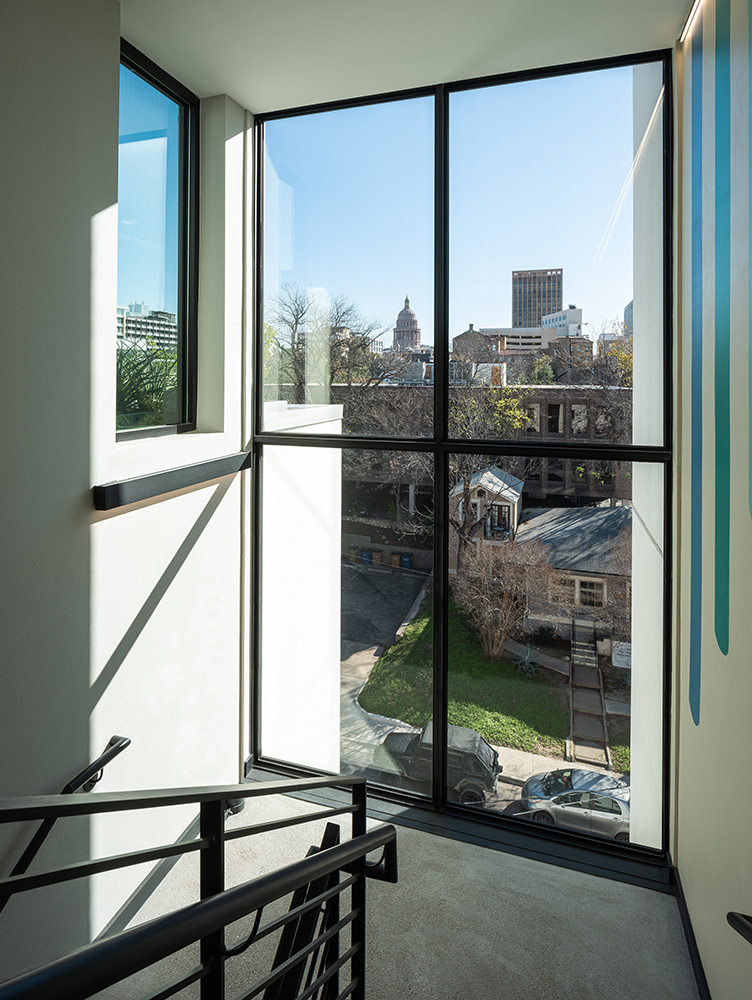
(501, 484)
(580, 539)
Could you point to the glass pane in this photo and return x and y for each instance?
(348, 267)
(556, 258)
(556, 642)
(148, 256)
(349, 687)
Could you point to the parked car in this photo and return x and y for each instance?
(472, 763)
(578, 799)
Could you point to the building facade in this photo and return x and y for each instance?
(535, 294)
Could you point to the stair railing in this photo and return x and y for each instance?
(84, 780)
(208, 923)
(106, 962)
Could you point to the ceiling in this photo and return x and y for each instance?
(273, 54)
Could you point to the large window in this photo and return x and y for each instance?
(463, 599)
(155, 342)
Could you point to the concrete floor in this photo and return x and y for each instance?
(468, 922)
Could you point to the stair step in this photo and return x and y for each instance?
(590, 752)
(589, 727)
(587, 700)
(585, 677)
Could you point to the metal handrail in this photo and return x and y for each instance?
(742, 924)
(108, 961)
(86, 780)
(212, 801)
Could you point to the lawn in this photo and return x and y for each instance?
(507, 708)
(618, 742)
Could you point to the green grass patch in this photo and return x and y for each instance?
(505, 707)
(618, 742)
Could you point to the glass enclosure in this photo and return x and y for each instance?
(483, 599)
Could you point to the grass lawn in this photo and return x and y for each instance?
(618, 742)
(507, 708)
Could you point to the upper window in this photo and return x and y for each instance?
(155, 354)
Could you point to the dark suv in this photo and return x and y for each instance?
(472, 763)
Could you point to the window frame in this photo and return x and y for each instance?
(563, 845)
(188, 213)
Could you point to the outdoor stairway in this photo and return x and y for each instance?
(589, 735)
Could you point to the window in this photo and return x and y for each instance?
(555, 418)
(156, 289)
(394, 615)
(592, 593)
(533, 418)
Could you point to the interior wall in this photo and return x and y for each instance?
(123, 622)
(713, 692)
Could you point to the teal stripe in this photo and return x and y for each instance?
(696, 487)
(722, 319)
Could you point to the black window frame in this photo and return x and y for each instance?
(188, 200)
(634, 863)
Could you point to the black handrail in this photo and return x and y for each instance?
(85, 780)
(108, 961)
(742, 924)
(213, 802)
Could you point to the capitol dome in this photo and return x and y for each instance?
(407, 331)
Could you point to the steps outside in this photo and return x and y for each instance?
(588, 736)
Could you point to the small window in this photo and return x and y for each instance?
(591, 593)
(156, 287)
(579, 418)
(555, 418)
(533, 418)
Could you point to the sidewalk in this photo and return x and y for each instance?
(519, 765)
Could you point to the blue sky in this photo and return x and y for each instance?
(147, 195)
(536, 170)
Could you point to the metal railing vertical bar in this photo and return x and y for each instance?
(212, 882)
(358, 897)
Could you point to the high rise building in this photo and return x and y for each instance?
(406, 331)
(535, 294)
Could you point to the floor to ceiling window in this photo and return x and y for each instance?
(463, 446)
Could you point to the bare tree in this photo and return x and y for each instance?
(497, 585)
(311, 344)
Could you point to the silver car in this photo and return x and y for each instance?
(586, 801)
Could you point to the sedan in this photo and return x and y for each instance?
(577, 799)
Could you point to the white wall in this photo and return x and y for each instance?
(124, 622)
(713, 732)
(300, 587)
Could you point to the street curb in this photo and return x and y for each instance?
(509, 780)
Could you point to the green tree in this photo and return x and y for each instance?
(146, 384)
(542, 372)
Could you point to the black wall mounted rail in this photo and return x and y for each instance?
(84, 780)
(117, 494)
(742, 924)
(213, 802)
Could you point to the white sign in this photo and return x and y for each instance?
(621, 654)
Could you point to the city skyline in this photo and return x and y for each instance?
(349, 200)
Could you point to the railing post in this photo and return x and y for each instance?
(358, 962)
(212, 882)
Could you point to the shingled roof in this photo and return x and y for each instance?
(579, 539)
